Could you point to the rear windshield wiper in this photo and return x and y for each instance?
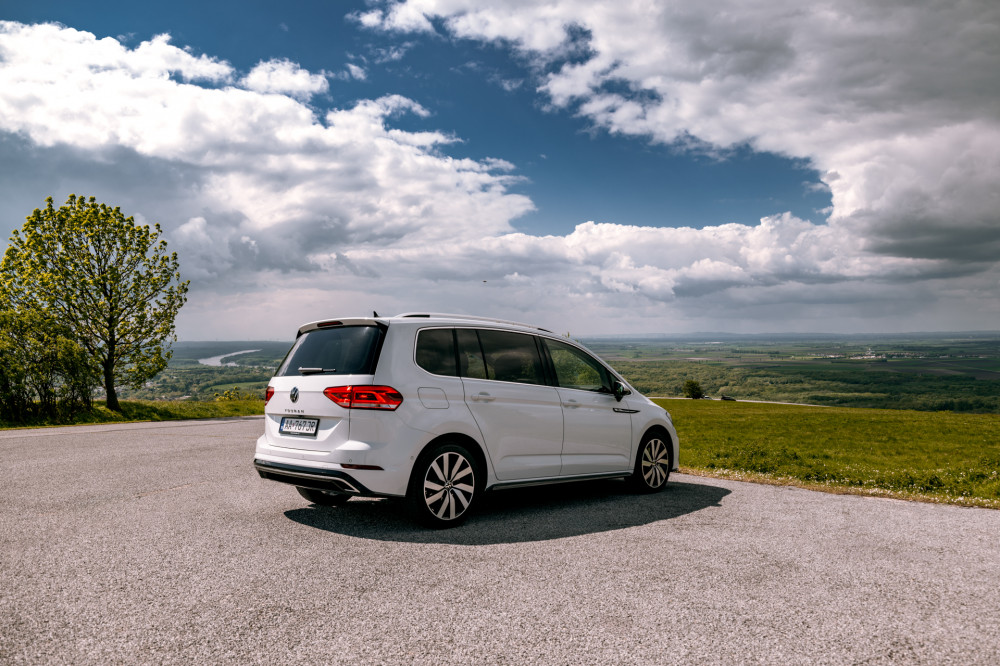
(315, 371)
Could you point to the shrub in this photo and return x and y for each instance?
(693, 390)
(44, 374)
(236, 394)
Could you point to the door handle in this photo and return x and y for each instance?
(482, 397)
(571, 404)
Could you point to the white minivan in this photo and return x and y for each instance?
(442, 408)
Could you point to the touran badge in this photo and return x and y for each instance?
(294, 395)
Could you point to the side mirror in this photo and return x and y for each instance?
(621, 391)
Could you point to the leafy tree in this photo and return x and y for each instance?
(107, 279)
(692, 389)
(43, 373)
(15, 395)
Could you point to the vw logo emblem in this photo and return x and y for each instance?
(294, 395)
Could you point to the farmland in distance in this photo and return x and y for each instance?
(957, 372)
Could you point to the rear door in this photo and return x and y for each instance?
(299, 416)
(519, 416)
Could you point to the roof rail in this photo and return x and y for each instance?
(443, 315)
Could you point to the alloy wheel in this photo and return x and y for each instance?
(655, 463)
(449, 485)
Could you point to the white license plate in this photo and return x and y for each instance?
(304, 427)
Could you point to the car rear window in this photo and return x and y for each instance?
(342, 350)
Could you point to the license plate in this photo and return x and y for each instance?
(304, 427)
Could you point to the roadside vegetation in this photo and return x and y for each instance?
(88, 299)
(187, 389)
(149, 410)
(932, 456)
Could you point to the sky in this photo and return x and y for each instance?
(635, 167)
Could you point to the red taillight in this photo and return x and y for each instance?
(268, 393)
(365, 397)
(340, 395)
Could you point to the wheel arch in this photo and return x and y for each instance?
(468, 442)
(662, 431)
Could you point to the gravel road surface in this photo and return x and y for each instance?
(158, 543)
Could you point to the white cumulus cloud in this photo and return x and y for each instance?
(285, 77)
(894, 102)
(258, 169)
(281, 211)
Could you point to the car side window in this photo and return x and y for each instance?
(576, 369)
(436, 351)
(511, 357)
(470, 354)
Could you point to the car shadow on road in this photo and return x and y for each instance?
(515, 516)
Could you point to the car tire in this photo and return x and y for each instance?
(444, 487)
(652, 464)
(323, 497)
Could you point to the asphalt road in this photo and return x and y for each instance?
(158, 543)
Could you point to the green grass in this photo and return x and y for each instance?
(934, 456)
(158, 410)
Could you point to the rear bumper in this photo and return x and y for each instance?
(312, 477)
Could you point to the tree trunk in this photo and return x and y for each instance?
(109, 388)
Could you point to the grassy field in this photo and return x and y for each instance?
(935, 456)
(930, 456)
(160, 410)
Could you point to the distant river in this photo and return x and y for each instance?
(217, 360)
